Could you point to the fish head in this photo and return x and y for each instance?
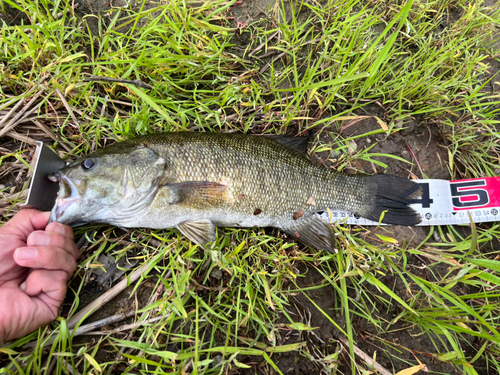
(112, 185)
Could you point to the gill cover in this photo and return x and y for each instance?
(112, 185)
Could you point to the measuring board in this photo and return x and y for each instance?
(442, 202)
(445, 203)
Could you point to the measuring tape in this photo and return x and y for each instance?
(445, 203)
(442, 202)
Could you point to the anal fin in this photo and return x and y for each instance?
(201, 232)
(313, 231)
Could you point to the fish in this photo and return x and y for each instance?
(196, 182)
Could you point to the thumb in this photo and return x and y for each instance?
(26, 221)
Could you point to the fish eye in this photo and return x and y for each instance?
(88, 164)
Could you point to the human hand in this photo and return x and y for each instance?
(36, 261)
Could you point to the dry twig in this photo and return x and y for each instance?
(135, 82)
(101, 323)
(24, 111)
(365, 357)
(67, 106)
(106, 297)
(21, 137)
(51, 134)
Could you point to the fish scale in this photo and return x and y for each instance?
(203, 180)
(271, 176)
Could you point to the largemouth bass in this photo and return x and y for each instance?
(196, 182)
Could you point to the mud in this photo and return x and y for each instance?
(104, 9)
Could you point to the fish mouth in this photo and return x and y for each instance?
(67, 195)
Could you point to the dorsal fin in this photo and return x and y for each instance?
(298, 144)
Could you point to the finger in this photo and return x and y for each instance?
(38, 219)
(21, 313)
(45, 238)
(49, 286)
(65, 230)
(26, 221)
(45, 257)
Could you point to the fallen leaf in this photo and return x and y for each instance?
(413, 370)
(382, 124)
(69, 89)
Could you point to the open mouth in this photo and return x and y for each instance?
(67, 195)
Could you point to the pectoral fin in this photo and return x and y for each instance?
(313, 231)
(201, 232)
(197, 193)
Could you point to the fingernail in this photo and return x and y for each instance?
(26, 253)
(23, 286)
(40, 239)
(57, 228)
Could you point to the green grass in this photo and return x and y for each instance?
(422, 60)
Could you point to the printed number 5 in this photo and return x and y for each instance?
(470, 197)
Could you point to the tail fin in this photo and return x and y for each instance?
(393, 194)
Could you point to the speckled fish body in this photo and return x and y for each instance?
(196, 181)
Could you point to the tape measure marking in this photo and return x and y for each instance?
(446, 203)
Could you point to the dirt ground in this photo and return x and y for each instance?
(426, 142)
